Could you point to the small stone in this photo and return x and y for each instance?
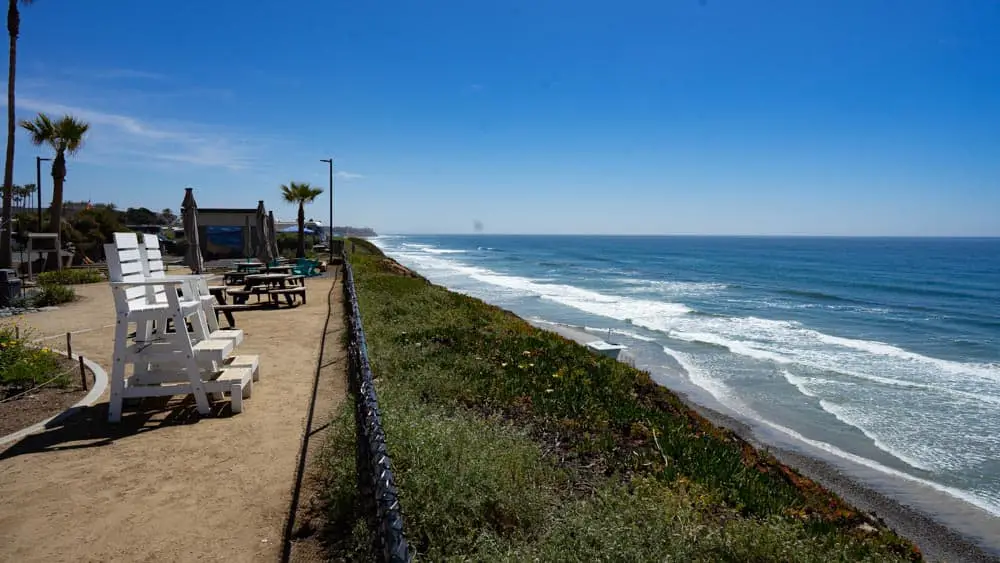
(867, 528)
(47, 309)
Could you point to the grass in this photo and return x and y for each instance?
(511, 443)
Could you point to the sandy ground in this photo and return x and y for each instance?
(166, 484)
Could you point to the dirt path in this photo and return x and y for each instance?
(165, 484)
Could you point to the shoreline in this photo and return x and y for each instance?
(937, 541)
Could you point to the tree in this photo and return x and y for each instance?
(13, 30)
(64, 136)
(167, 217)
(141, 216)
(301, 193)
(23, 194)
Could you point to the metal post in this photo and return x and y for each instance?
(38, 188)
(331, 205)
(330, 162)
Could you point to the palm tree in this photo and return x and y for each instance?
(301, 193)
(23, 194)
(13, 29)
(64, 136)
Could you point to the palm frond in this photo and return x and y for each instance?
(295, 192)
(41, 129)
(67, 134)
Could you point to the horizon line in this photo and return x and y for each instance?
(689, 235)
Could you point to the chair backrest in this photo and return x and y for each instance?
(152, 259)
(125, 263)
(155, 268)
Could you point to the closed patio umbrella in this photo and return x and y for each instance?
(272, 234)
(263, 248)
(189, 215)
(247, 241)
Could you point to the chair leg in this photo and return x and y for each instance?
(183, 339)
(236, 397)
(118, 371)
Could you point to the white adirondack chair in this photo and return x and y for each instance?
(184, 362)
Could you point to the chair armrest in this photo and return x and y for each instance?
(184, 277)
(148, 281)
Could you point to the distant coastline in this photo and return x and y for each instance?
(364, 232)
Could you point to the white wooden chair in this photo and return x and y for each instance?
(197, 285)
(182, 362)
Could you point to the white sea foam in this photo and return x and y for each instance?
(845, 415)
(800, 383)
(672, 288)
(627, 333)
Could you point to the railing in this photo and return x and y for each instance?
(376, 486)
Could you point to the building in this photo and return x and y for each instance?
(222, 231)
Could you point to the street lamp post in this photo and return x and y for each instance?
(38, 187)
(330, 162)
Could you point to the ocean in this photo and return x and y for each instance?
(882, 354)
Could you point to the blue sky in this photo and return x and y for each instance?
(845, 117)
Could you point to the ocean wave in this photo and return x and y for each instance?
(848, 417)
(820, 296)
(430, 248)
(672, 288)
(618, 331)
(985, 371)
(800, 383)
(611, 306)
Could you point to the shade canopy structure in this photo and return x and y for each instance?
(272, 234)
(189, 218)
(294, 229)
(261, 240)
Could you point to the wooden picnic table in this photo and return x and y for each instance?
(248, 266)
(274, 285)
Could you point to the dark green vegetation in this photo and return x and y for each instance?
(53, 294)
(89, 226)
(511, 443)
(70, 277)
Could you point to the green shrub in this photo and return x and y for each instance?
(54, 294)
(23, 365)
(69, 277)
